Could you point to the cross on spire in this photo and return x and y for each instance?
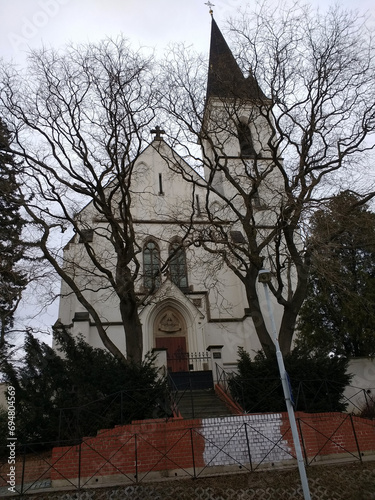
(210, 5)
(158, 133)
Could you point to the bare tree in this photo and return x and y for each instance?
(79, 121)
(277, 143)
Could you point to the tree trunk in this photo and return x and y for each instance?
(133, 331)
(256, 314)
(287, 328)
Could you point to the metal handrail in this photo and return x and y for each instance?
(196, 359)
(225, 379)
(174, 395)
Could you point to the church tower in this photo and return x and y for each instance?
(236, 129)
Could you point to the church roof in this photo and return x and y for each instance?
(225, 78)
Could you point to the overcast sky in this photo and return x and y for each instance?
(29, 24)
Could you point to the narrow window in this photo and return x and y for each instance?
(256, 199)
(198, 205)
(177, 266)
(245, 140)
(86, 236)
(254, 195)
(151, 265)
(161, 184)
(237, 237)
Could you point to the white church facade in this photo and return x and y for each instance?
(197, 303)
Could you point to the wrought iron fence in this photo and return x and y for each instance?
(122, 407)
(194, 361)
(238, 444)
(76, 422)
(115, 409)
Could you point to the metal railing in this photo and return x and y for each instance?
(195, 361)
(306, 394)
(85, 420)
(244, 443)
(115, 409)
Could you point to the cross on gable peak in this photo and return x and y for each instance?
(158, 133)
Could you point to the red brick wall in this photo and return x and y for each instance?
(36, 468)
(160, 446)
(332, 433)
(136, 448)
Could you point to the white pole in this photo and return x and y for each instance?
(264, 277)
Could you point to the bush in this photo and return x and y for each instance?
(83, 389)
(317, 382)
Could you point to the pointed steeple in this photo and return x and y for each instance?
(225, 78)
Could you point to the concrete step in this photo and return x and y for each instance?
(201, 404)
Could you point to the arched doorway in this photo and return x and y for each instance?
(170, 333)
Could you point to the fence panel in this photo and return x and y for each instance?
(139, 453)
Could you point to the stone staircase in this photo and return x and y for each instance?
(203, 403)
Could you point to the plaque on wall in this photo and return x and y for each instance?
(169, 323)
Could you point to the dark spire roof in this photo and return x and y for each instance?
(225, 78)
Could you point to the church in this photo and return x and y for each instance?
(194, 308)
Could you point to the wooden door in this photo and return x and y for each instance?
(177, 357)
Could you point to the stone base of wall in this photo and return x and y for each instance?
(336, 482)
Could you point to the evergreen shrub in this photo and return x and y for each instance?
(317, 382)
(71, 394)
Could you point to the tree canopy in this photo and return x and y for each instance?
(307, 107)
(12, 279)
(270, 157)
(86, 383)
(317, 382)
(80, 120)
(338, 314)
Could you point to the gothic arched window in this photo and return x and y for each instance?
(245, 139)
(151, 265)
(177, 265)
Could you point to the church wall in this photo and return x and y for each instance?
(232, 335)
(221, 295)
(222, 118)
(160, 193)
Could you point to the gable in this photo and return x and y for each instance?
(162, 186)
(157, 187)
